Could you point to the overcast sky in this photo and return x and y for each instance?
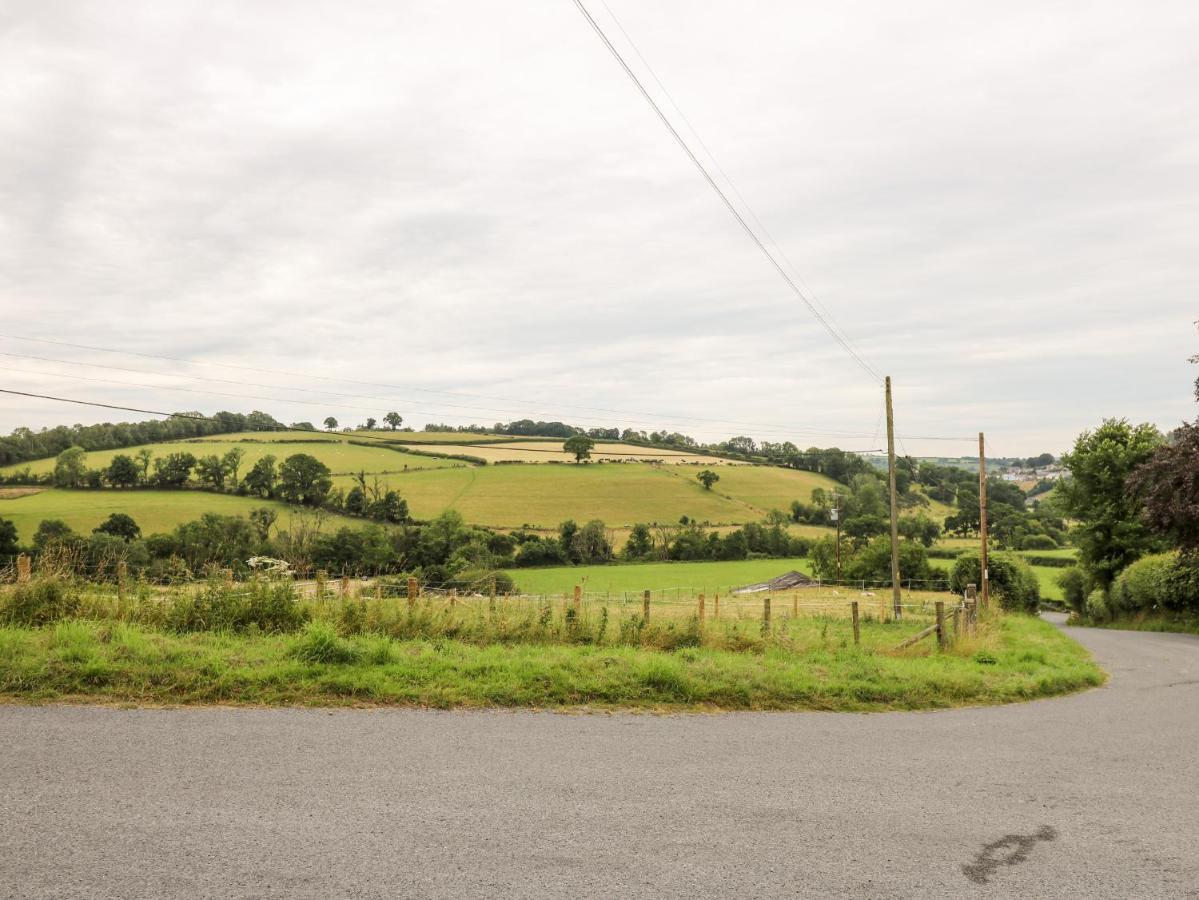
(469, 202)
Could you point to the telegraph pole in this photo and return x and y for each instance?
(985, 575)
(896, 600)
(836, 513)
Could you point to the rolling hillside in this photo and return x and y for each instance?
(533, 494)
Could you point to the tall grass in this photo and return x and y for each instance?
(274, 606)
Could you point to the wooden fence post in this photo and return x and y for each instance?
(645, 606)
(957, 622)
(716, 606)
(413, 592)
(345, 586)
(378, 590)
(122, 574)
(766, 612)
(320, 584)
(795, 606)
(578, 599)
(701, 610)
(491, 597)
(941, 636)
(24, 568)
(857, 628)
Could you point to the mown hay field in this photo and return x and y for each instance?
(552, 452)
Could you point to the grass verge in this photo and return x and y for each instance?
(1019, 658)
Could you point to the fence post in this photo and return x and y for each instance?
(795, 606)
(701, 610)
(320, 584)
(413, 592)
(453, 596)
(345, 586)
(857, 629)
(716, 606)
(491, 597)
(766, 612)
(941, 637)
(578, 599)
(378, 590)
(24, 568)
(957, 622)
(122, 573)
(645, 605)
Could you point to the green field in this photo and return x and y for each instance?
(709, 577)
(339, 455)
(154, 511)
(619, 494)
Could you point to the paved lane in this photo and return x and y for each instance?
(1095, 795)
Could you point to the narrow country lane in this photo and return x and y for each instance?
(1094, 795)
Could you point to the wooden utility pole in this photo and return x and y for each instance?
(896, 600)
(982, 521)
(836, 511)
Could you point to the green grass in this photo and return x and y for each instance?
(619, 494)
(1181, 624)
(154, 511)
(1059, 553)
(333, 450)
(77, 660)
(709, 577)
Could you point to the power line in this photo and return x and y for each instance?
(862, 363)
(645, 417)
(719, 168)
(356, 434)
(341, 406)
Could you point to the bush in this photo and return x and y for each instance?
(1073, 582)
(1163, 581)
(1038, 542)
(1097, 608)
(1012, 580)
(40, 602)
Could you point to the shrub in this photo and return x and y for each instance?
(1141, 586)
(1073, 582)
(873, 562)
(40, 602)
(1012, 579)
(1163, 581)
(1097, 607)
(1038, 542)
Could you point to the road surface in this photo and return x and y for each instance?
(1094, 795)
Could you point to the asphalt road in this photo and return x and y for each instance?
(1095, 795)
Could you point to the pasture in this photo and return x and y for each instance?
(707, 577)
(336, 453)
(154, 511)
(619, 494)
